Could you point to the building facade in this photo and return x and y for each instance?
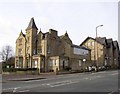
(104, 52)
(48, 51)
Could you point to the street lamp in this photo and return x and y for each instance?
(96, 45)
(84, 64)
(97, 28)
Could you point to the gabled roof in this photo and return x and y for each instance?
(61, 36)
(65, 36)
(86, 40)
(101, 40)
(32, 24)
(21, 33)
(115, 43)
(109, 42)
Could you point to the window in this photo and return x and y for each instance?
(20, 52)
(80, 63)
(66, 63)
(50, 62)
(39, 51)
(54, 62)
(20, 42)
(34, 52)
(80, 51)
(34, 64)
(28, 50)
(93, 43)
(28, 39)
(88, 43)
(48, 49)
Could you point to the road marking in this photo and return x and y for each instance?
(86, 78)
(24, 91)
(114, 74)
(11, 88)
(70, 82)
(111, 92)
(54, 84)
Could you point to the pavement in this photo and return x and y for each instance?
(24, 77)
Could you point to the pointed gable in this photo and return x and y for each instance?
(66, 38)
(109, 42)
(115, 43)
(32, 24)
(86, 40)
(21, 33)
(66, 34)
(102, 40)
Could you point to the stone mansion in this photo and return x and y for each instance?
(48, 51)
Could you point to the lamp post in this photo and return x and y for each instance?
(97, 45)
(84, 64)
(97, 28)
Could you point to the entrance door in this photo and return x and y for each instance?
(42, 65)
(63, 64)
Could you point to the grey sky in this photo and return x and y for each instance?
(77, 17)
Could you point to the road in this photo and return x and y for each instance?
(104, 81)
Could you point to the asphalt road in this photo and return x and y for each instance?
(104, 81)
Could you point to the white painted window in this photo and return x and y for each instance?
(28, 50)
(34, 51)
(80, 63)
(20, 52)
(89, 44)
(93, 43)
(54, 62)
(57, 62)
(36, 63)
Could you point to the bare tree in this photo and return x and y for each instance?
(6, 52)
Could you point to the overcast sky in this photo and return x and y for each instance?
(78, 17)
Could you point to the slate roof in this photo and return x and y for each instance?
(101, 40)
(32, 24)
(109, 42)
(115, 43)
(86, 40)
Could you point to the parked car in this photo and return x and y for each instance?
(94, 68)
